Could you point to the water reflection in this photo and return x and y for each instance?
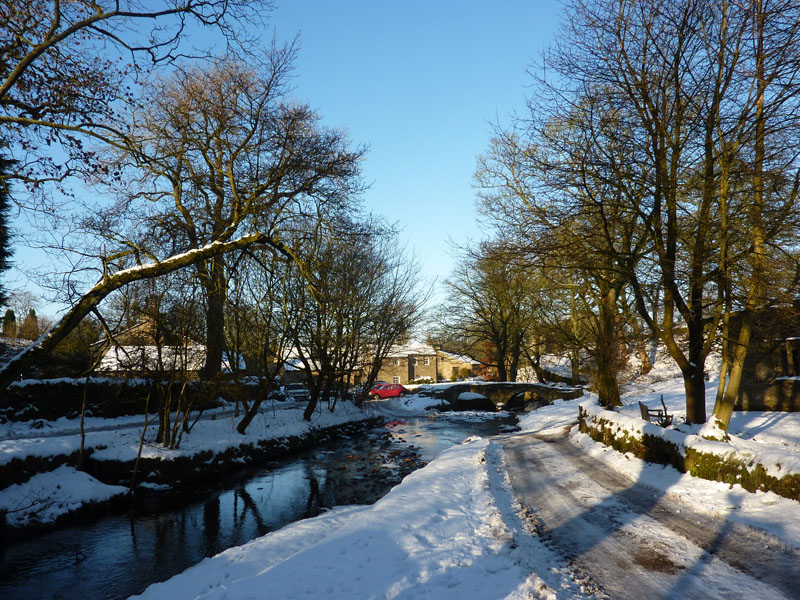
(117, 556)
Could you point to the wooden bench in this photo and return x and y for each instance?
(659, 415)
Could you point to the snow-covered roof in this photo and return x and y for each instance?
(412, 349)
(145, 358)
(419, 349)
(191, 357)
(459, 357)
(292, 362)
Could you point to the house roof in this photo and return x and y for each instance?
(292, 361)
(145, 358)
(419, 349)
(412, 349)
(460, 357)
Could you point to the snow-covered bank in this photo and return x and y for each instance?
(442, 533)
(47, 489)
(453, 528)
(768, 463)
(46, 497)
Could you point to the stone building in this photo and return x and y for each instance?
(771, 375)
(412, 362)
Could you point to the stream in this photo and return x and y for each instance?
(119, 555)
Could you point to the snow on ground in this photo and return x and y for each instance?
(50, 495)
(118, 439)
(768, 438)
(762, 510)
(452, 530)
(440, 534)
(46, 496)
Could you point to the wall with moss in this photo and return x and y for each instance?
(731, 469)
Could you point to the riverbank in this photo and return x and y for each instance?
(42, 486)
(454, 530)
(119, 554)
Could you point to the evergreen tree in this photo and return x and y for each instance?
(10, 324)
(29, 329)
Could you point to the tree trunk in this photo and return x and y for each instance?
(607, 389)
(310, 407)
(724, 367)
(694, 385)
(248, 417)
(215, 317)
(757, 288)
(514, 366)
(252, 410)
(641, 346)
(536, 363)
(606, 354)
(725, 409)
(500, 353)
(89, 301)
(644, 358)
(575, 364)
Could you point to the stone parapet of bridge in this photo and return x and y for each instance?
(504, 395)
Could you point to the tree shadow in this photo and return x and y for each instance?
(769, 422)
(749, 549)
(586, 533)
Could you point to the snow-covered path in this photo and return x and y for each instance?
(633, 540)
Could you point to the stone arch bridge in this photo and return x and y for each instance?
(497, 396)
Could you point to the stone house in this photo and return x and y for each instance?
(409, 362)
(771, 375)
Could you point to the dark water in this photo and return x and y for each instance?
(120, 555)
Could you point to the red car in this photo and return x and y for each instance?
(387, 390)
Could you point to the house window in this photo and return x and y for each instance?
(395, 379)
(427, 360)
(395, 362)
(415, 361)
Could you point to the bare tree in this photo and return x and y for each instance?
(770, 115)
(649, 136)
(161, 347)
(111, 282)
(552, 190)
(69, 70)
(219, 163)
(489, 308)
(256, 330)
(218, 149)
(363, 296)
(5, 206)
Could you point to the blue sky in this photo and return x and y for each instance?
(418, 82)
